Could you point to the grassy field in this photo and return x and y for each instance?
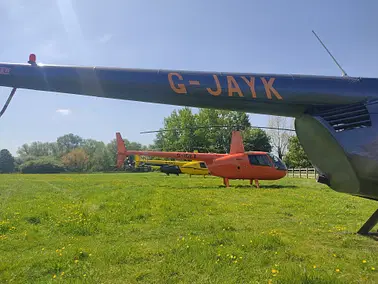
(152, 228)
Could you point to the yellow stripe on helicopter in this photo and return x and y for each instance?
(185, 167)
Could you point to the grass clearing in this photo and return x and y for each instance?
(152, 228)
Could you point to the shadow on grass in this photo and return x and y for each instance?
(272, 186)
(370, 235)
(242, 186)
(373, 236)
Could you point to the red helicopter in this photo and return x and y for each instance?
(238, 164)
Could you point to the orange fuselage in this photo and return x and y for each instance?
(238, 166)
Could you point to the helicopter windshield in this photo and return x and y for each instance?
(203, 165)
(278, 164)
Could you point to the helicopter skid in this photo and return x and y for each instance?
(369, 225)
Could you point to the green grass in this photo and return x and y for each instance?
(152, 228)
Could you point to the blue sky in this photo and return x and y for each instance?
(243, 36)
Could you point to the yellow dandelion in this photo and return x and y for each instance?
(62, 273)
(270, 281)
(373, 268)
(274, 271)
(337, 270)
(76, 260)
(60, 254)
(364, 261)
(56, 250)
(334, 255)
(54, 276)
(43, 248)
(314, 266)
(85, 275)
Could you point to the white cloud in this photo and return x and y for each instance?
(105, 38)
(64, 111)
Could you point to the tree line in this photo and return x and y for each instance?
(70, 153)
(208, 130)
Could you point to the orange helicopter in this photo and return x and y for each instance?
(238, 164)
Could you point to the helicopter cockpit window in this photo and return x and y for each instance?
(259, 160)
(203, 165)
(278, 164)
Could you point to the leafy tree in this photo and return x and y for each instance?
(181, 125)
(296, 156)
(17, 163)
(256, 140)
(76, 160)
(207, 137)
(101, 160)
(208, 131)
(38, 149)
(217, 137)
(98, 155)
(23, 151)
(6, 161)
(90, 146)
(235, 121)
(68, 142)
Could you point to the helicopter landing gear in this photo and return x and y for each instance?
(256, 182)
(5, 71)
(226, 182)
(8, 101)
(369, 225)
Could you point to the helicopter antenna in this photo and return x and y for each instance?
(344, 74)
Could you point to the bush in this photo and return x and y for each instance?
(44, 165)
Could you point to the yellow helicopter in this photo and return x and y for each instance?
(175, 167)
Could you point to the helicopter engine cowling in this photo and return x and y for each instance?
(342, 144)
